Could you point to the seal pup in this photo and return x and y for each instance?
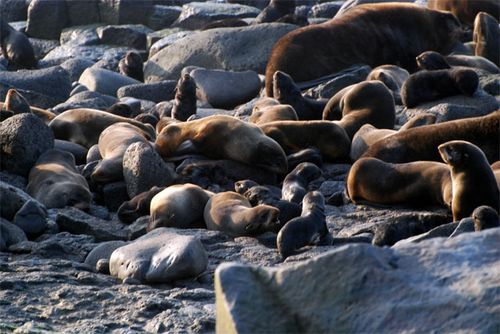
(138, 206)
(185, 98)
(131, 66)
(55, 182)
(308, 229)
(242, 186)
(16, 47)
(392, 76)
(474, 183)
(232, 213)
(280, 112)
(224, 137)
(275, 10)
(486, 36)
(431, 61)
(179, 206)
(296, 182)
(485, 217)
(312, 155)
(321, 49)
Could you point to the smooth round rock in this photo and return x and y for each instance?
(105, 81)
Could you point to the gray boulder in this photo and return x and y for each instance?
(168, 40)
(156, 92)
(14, 10)
(42, 46)
(125, 11)
(80, 35)
(218, 49)
(10, 234)
(158, 257)
(143, 168)
(46, 18)
(163, 16)
(75, 67)
(114, 194)
(23, 138)
(86, 99)
(133, 36)
(104, 81)
(226, 89)
(82, 12)
(446, 285)
(31, 218)
(12, 199)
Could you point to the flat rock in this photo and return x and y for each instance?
(168, 40)
(218, 49)
(93, 53)
(133, 36)
(42, 46)
(156, 92)
(439, 280)
(104, 81)
(63, 246)
(86, 99)
(46, 18)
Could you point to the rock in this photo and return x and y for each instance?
(86, 99)
(77, 222)
(159, 256)
(196, 15)
(31, 218)
(218, 49)
(104, 81)
(42, 46)
(143, 168)
(353, 3)
(14, 180)
(75, 9)
(23, 138)
(490, 83)
(156, 92)
(75, 67)
(226, 89)
(103, 252)
(14, 10)
(13, 199)
(329, 188)
(104, 55)
(114, 194)
(125, 11)
(442, 231)
(133, 36)
(168, 40)
(206, 112)
(326, 9)
(138, 228)
(464, 226)
(439, 280)
(163, 16)
(80, 35)
(63, 246)
(10, 234)
(53, 82)
(46, 18)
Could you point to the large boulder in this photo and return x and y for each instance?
(89, 8)
(124, 11)
(233, 49)
(446, 285)
(156, 92)
(46, 18)
(133, 36)
(104, 81)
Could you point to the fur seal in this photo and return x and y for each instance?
(242, 186)
(425, 86)
(416, 184)
(147, 119)
(321, 49)
(84, 126)
(131, 66)
(138, 206)
(287, 92)
(113, 142)
(16, 47)
(486, 37)
(185, 98)
(275, 10)
(392, 76)
(365, 102)
(224, 137)
(420, 143)
(485, 217)
(312, 155)
(431, 61)
(180, 206)
(55, 182)
(474, 183)
(232, 213)
(17, 103)
(308, 229)
(329, 138)
(296, 182)
(466, 10)
(271, 113)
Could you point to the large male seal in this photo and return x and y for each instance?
(414, 184)
(16, 47)
(358, 36)
(474, 183)
(420, 143)
(224, 137)
(232, 213)
(55, 182)
(331, 139)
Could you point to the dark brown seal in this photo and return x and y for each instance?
(466, 10)
(486, 37)
(485, 217)
(474, 183)
(138, 206)
(431, 60)
(131, 66)
(275, 10)
(185, 98)
(16, 47)
(392, 76)
(321, 49)
(296, 183)
(420, 143)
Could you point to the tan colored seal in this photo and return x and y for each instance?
(270, 110)
(466, 10)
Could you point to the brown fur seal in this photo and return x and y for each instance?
(321, 49)
(466, 10)
(113, 142)
(485, 217)
(131, 66)
(416, 184)
(16, 47)
(179, 206)
(138, 206)
(275, 10)
(15, 102)
(242, 186)
(147, 119)
(431, 60)
(486, 37)
(331, 139)
(55, 182)
(426, 86)
(296, 182)
(366, 102)
(392, 76)
(312, 155)
(185, 98)
(84, 126)
(274, 112)
(474, 183)
(287, 92)
(420, 143)
(232, 213)
(224, 137)
(308, 229)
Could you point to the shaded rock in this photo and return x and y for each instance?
(95, 53)
(124, 11)
(86, 99)
(80, 35)
(438, 280)
(104, 81)
(77, 222)
(63, 246)
(133, 36)
(464, 226)
(159, 256)
(156, 92)
(196, 15)
(42, 46)
(114, 194)
(31, 218)
(17, 181)
(14, 10)
(10, 234)
(75, 9)
(12, 199)
(143, 168)
(163, 16)
(102, 252)
(226, 89)
(46, 18)
(218, 49)
(23, 138)
(168, 40)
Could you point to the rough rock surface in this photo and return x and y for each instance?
(104, 81)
